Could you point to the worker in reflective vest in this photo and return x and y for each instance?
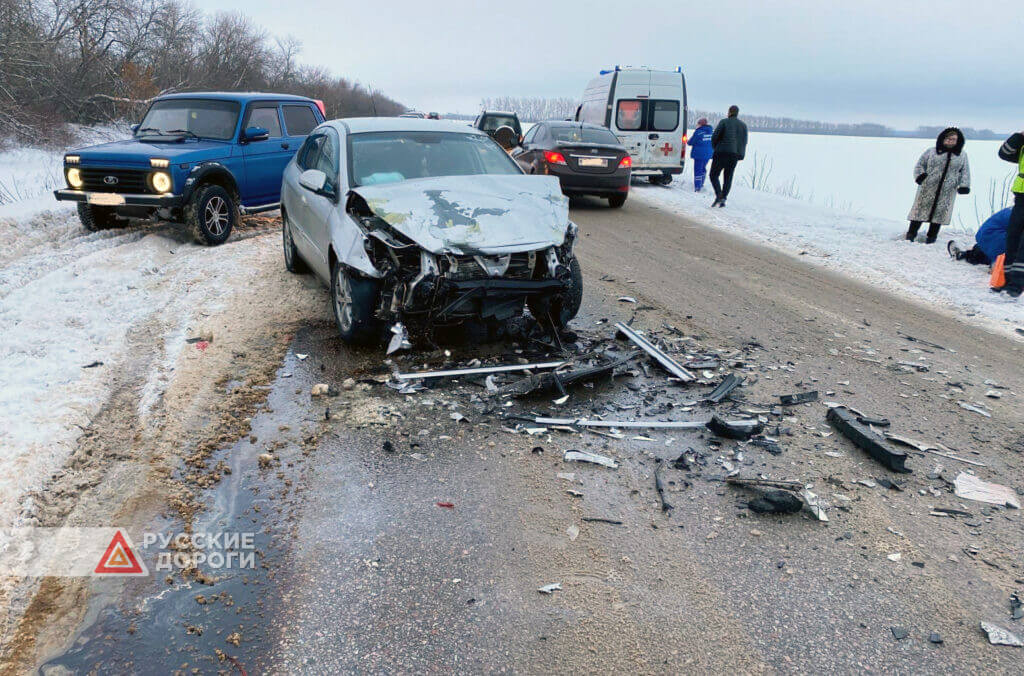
(1013, 151)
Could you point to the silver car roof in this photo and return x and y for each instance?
(358, 125)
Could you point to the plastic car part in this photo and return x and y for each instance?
(844, 420)
(731, 382)
(735, 429)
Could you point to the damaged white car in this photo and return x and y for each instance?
(426, 223)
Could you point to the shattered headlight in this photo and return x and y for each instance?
(570, 236)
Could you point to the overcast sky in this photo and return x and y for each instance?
(897, 62)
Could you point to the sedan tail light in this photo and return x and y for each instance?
(551, 157)
(626, 162)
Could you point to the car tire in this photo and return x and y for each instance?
(95, 218)
(292, 259)
(563, 308)
(616, 201)
(353, 300)
(211, 214)
(664, 179)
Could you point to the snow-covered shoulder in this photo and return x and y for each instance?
(863, 247)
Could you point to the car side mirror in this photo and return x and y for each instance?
(135, 127)
(313, 180)
(255, 134)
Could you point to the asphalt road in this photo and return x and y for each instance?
(381, 578)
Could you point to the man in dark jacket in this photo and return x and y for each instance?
(730, 145)
(1013, 151)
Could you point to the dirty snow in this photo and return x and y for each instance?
(69, 298)
(867, 248)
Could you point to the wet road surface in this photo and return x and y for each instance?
(367, 573)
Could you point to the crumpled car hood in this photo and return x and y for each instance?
(488, 214)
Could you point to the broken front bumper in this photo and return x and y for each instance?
(493, 298)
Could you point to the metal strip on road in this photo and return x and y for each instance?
(654, 424)
(480, 370)
(670, 364)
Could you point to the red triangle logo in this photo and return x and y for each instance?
(119, 559)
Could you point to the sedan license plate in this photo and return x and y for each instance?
(593, 162)
(105, 199)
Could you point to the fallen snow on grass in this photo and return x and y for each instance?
(28, 176)
(864, 247)
(70, 299)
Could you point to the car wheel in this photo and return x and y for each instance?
(564, 307)
(292, 260)
(353, 300)
(616, 201)
(211, 214)
(95, 218)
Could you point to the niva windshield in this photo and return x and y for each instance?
(200, 118)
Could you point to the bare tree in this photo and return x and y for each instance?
(93, 61)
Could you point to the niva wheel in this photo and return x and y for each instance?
(211, 214)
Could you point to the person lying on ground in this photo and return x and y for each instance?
(989, 241)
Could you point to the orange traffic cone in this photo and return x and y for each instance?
(998, 279)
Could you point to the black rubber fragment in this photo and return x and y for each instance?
(864, 438)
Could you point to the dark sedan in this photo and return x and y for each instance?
(586, 158)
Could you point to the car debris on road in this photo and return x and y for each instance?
(584, 456)
(667, 362)
(660, 487)
(798, 398)
(730, 383)
(999, 636)
(867, 439)
(970, 487)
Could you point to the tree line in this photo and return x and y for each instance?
(95, 61)
(532, 109)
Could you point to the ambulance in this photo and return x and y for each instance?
(646, 110)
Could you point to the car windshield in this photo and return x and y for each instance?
(388, 157)
(583, 135)
(202, 118)
(493, 122)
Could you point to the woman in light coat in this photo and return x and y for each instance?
(942, 173)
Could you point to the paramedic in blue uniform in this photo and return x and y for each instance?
(701, 154)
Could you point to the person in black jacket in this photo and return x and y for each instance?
(1013, 151)
(730, 146)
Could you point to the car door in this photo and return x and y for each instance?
(525, 153)
(630, 128)
(664, 144)
(264, 160)
(322, 206)
(297, 199)
(299, 121)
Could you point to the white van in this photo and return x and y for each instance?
(646, 108)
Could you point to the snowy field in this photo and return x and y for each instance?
(869, 176)
(865, 247)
